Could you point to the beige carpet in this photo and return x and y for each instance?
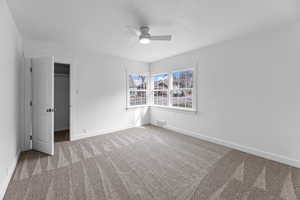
(150, 163)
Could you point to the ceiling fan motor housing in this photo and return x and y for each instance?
(145, 32)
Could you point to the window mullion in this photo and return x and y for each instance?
(170, 89)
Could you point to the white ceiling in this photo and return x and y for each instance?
(100, 25)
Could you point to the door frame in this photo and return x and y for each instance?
(27, 142)
(69, 62)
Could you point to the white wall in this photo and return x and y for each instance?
(248, 94)
(11, 59)
(61, 102)
(98, 89)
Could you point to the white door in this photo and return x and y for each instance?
(43, 104)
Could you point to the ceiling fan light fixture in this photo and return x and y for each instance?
(145, 37)
(144, 40)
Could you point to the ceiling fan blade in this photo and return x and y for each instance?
(161, 37)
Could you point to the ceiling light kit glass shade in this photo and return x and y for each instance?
(144, 40)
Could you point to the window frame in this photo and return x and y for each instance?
(152, 90)
(194, 93)
(128, 90)
(170, 88)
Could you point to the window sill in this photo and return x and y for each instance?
(162, 107)
(134, 107)
(174, 108)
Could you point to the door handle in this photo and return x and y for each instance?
(50, 110)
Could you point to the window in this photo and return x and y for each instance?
(171, 90)
(174, 90)
(182, 89)
(160, 89)
(137, 89)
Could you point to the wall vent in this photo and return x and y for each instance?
(161, 123)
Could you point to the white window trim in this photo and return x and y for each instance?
(194, 99)
(128, 106)
(152, 90)
(170, 88)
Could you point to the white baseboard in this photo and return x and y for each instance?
(102, 132)
(257, 152)
(6, 180)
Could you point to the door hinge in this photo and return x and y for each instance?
(30, 103)
(30, 137)
(30, 69)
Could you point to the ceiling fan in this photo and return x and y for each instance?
(145, 37)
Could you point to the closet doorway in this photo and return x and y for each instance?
(61, 102)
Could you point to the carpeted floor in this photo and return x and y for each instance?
(150, 163)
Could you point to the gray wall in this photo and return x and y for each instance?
(11, 60)
(98, 89)
(248, 94)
